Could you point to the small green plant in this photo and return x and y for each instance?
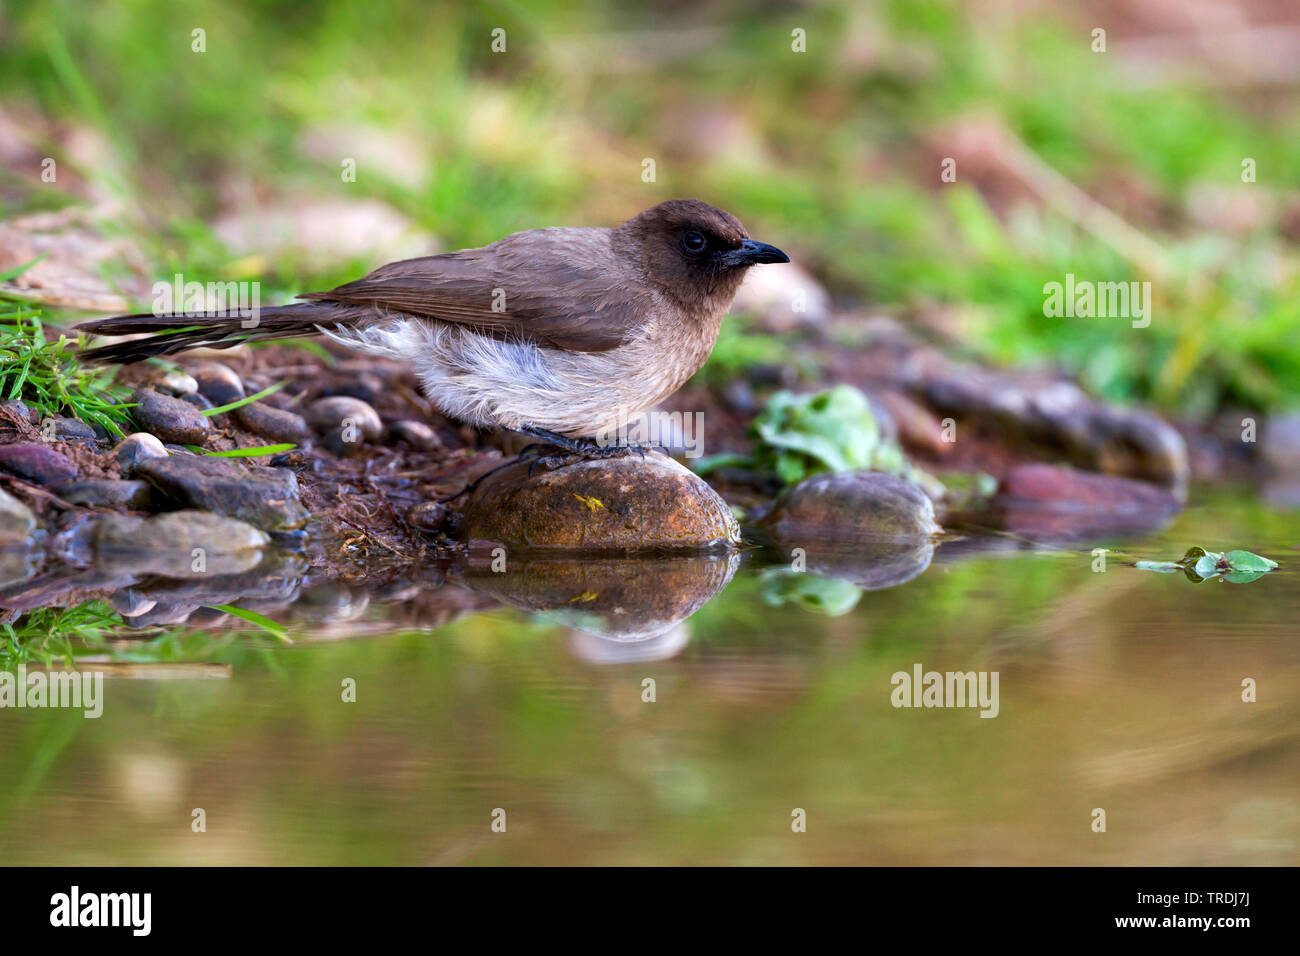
(803, 435)
(47, 634)
(1235, 567)
(50, 378)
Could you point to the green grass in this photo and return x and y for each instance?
(48, 376)
(47, 635)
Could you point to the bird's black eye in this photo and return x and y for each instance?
(693, 242)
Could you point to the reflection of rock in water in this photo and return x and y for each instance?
(626, 600)
(873, 565)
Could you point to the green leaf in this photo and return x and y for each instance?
(245, 452)
(1246, 561)
(246, 400)
(16, 271)
(1164, 567)
(278, 631)
(829, 596)
(1207, 565)
(1242, 577)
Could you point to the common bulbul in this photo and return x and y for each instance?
(557, 333)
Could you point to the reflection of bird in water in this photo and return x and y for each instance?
(601, 649)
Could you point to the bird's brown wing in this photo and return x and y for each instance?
(561, 288)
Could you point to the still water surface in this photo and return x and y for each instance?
(1119, 690)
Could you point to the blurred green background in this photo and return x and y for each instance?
(833, 153)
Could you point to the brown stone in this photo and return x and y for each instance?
(614, 504)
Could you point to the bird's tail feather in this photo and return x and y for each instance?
(218, 330)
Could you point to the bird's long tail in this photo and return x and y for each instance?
(169, 334)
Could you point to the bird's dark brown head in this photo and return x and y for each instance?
(694, 252)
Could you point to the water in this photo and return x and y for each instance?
(1118, 690)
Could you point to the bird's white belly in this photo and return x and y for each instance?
(488, 382)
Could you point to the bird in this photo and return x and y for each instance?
(557, 333)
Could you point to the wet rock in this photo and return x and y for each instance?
(428, 516)
(416, 434)
(179, 544)
(38, 464)
(199, 402)
(169, 418)
(1070, 490)
(178, 383)
(135, 448)
(69, 429)
(275, 424)
(626, 600)
(1140, 445)
(367, 386)
(109, 493)
(1049, 502)
(266, 498)
(218, 383)
(621, 504)
(1022, 410)
(17, 523)
(19, 409)
(272, 582)
(343, 444)
(849, 507)
(332, 603)
(131, 603)
(164, 615)
(1279, 443)
(344, 413)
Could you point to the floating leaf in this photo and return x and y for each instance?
(1164, 567)
(1246, 561)
(1242, 577)
(1235, 567)
(1207, 565)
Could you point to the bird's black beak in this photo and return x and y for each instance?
(751, 253)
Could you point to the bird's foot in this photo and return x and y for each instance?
(588, 448)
